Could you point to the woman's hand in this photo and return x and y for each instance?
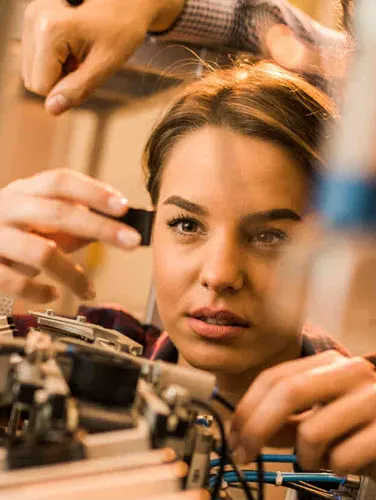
(324, 405)
(47, 216)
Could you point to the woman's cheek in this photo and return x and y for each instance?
(168, 279)
(261, 272)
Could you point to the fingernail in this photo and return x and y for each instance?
(239, 456)
(57, 104)
(117, 204)
(128, 238)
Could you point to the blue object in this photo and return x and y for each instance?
(287, 477)
(347, 201)
(268, 458)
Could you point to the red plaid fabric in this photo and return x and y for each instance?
(157, 344)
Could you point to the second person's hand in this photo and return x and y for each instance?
(95, 38)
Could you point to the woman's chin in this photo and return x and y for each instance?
(221, 363)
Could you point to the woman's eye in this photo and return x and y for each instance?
(184, 225)
(269, 238)
(187, 226)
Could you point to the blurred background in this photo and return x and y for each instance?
(105, 139)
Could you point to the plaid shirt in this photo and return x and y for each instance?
(243, 24)
(157, 344)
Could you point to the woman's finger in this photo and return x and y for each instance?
(15, 284)
(334, 422)
(68, 243)
(69, 185)
(47, 216)
(38, 253)
(297, 393)
(22, 268)
(267, 380)
(355, 453)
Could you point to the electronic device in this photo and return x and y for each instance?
(85, 416)
(138, 218)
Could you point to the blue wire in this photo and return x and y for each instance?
(204, 422)
(270, 477)
(287, 477)
(288, 459)
(215, 462)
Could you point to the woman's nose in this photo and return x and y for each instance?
(221, 269)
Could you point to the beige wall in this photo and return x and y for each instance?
(325, 11)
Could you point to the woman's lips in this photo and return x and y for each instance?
(212, 331)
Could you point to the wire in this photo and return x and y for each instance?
(287, 477)
(223, 454)
(242, 479)
(310, 490)
(318, 493)
(299, 486)
(267, 458)
(260, 467)
(260, 477)
(223, 449)
(224, 402)
(313, 486)
(275, 458)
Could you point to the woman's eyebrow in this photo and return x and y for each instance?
(271, 215)
(186, 205)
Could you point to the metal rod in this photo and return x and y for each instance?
(14, 420)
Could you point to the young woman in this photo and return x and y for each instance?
(229, 170)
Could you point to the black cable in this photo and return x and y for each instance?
(241, 477)
(223, 401)
(260, 466)
(260, 478)
(223, 454)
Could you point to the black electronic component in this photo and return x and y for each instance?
(138, 218)
(27, 454)
(58, 406)
(142, 220)
(105, 379)
(98, 418)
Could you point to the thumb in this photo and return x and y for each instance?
(291, 53)
(75, 88)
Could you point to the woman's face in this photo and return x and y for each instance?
(227, 206)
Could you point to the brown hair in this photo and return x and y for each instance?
(263, 101)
